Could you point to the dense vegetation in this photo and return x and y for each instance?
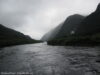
(16, 41)
(9, 37)
(88, 40)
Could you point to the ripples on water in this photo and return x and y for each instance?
(41, 59)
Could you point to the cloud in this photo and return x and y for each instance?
(36, 17)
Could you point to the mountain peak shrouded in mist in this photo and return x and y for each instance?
(52, 34)
(36, 17)
(66, 28)
(87, 31)
(10, 37)
(79, 25)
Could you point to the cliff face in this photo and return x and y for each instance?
(91, 24)
(67, 28)
(11, 37)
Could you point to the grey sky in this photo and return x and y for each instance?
(36, 17)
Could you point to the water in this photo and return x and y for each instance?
(42, 59)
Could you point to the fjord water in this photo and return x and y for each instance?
(42, 59)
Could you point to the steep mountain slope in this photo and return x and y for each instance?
(86, 34)
(91, 24)
(11, 37)
(52, 34)
(65, 29)
(70, 25)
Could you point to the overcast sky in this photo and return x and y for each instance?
(36, 17)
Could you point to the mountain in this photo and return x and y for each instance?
(87, 33)
(70, 25)
(10, 37)
(52, 34)
(91, 24)
(65, 29)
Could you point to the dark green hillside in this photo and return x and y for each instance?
(89, 40)
(10, 37)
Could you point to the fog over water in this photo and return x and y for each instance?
(36, 17)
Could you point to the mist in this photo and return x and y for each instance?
(37, 17)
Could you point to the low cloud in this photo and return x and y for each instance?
(36, 17)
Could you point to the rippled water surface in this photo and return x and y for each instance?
(42, 59)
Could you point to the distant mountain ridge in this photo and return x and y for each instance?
(11, 37)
